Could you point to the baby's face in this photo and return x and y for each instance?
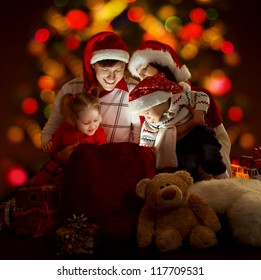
(146, 71)
(154, 114)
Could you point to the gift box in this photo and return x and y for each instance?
(38, 197)
(77, 236)
(37, 210)
(6, 213)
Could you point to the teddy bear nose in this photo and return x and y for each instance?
(168, 194)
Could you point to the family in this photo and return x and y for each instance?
(154, 105)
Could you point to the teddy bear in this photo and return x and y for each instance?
(239, 200)
(171, 214)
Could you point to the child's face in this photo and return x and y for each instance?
(88, 121)
(146, 71)
(109, 76)
(154, 114)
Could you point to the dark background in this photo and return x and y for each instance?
(19, 18)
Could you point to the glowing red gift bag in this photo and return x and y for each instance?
(100, 183)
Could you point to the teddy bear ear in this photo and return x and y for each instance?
(141, 187)
(185, 176)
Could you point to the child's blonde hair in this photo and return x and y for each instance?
(71, 105)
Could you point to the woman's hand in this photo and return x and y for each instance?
(198, 117)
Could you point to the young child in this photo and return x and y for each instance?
(81, 114)
(164, 105)
(152, 57)
(104, 59)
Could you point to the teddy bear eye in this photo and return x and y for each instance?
(162, 187)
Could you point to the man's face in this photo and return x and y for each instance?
(109, 76)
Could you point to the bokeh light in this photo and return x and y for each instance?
(235, 113)
(46, 82)
(135, 14)
(72, 42)
(48, 96)
(218, 83)
(42, 35)
(173, 24)
(166, 11)
(211, 14)
(60, 3)
(247, 140)
(15, 134)
(190, 31)
(77, 19)
(16, 176)
(29, 106)
(227, 47)
(197, 15)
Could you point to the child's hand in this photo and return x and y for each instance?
(47, 146)
(63, 155)
(198, 117)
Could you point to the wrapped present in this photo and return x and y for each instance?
(6, 213)
(37, 210)
(38, 197)
(37, 222)
(77, 236)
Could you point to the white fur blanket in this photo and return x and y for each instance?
(240, 200)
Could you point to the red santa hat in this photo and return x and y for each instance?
(102, 46)
(159, 53)
(151, 92)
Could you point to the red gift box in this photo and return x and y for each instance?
(37, 210)
(77, 237)
(35, 197)
(37, 222)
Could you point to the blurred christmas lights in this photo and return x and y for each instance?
(192, 31)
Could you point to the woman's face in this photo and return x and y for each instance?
(109, 76)
(146, 71)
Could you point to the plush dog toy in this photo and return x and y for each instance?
(171, 214)
(239, 200)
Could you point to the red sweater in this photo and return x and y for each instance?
(66, 135)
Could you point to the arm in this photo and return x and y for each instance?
(213, 116)
(204, 213)
(147, 135)
(54, 120)
(197, 103)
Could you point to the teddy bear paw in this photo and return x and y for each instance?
(202, 237)
(144, 240)
(168, 241)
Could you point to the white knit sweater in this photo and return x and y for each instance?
(162, 135)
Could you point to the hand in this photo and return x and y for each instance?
(198, 117)
(47, 146)
(62, 156)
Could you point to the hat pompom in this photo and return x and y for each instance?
(185, 86)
